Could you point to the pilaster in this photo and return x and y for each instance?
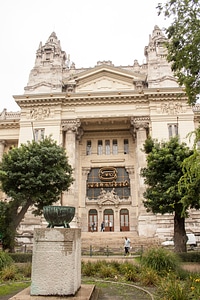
(71, 137)
(2, 147)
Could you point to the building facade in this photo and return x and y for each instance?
(102, 116)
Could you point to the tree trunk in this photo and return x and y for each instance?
(180, 237)
(20, 213)
(17, 216)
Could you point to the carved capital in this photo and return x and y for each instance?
(71, 125)
(85, 171)
(2, 143)
(140, 123)
(130, 170)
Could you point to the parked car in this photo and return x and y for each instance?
(191, 241)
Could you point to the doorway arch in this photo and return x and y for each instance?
(92, 220)
(108, 217)
(124, 220)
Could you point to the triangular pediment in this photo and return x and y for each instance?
(106, 78)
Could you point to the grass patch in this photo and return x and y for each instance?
(12, 288)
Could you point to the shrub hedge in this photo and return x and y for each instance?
(191, 256)
(21, 257)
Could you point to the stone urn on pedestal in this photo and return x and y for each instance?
(56, 264)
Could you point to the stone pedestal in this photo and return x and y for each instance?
(56, 264)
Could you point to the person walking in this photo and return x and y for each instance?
(127, 245)
(110, 225)
(102, 226)
(93, 227)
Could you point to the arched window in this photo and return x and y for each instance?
(92, 220)
(108, 217)
(124, 220)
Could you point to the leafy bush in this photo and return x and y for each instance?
(9, 273)
(148, 277)
(88, 268)
(21, 257)
(173, 288)
(129, 271)
(24, 270)
(192, 256)
(5, 260)
(160, 260)
(107, 271)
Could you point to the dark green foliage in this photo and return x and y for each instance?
(162, 176)
(34, 174)
(21, 257)
(7, 232)
(184, 43)
(5, 260)
(189, 183)
(160, 260)
(192, 256)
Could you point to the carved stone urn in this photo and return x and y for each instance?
(58, 215)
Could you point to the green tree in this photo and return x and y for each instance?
(184, 43)
(190, 181)
(34, 174)
(162, 174)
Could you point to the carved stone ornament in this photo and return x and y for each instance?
(171, 108)
(71, 125)
(108, 198)
(139, 86)
(140, 123)
(39, 113)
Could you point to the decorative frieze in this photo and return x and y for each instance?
(39, 113)
(171, 108)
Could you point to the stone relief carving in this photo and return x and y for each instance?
(171, 108)
(39, 113)
(108, 198)
(139, 86)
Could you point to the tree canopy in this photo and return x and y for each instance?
(34, 174)
(189, 183)
(162, 174)
(184, 43)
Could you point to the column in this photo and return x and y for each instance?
(83, 213)
(70, 127)
(140, 127)
(2, 147)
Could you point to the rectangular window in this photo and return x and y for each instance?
(115, 148)
(100, 147)
(107, 147)
(38, 134)
(89, 148)
(126, 146)
(173, 130)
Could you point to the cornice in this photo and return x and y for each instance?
(9, 125)
(101, 98)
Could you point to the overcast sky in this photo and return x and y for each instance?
(89, 30)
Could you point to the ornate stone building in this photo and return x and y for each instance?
(102, 116)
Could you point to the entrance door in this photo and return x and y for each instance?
(109, 220)
(93, 220)
(124, 220)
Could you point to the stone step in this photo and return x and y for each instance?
(114, 240)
